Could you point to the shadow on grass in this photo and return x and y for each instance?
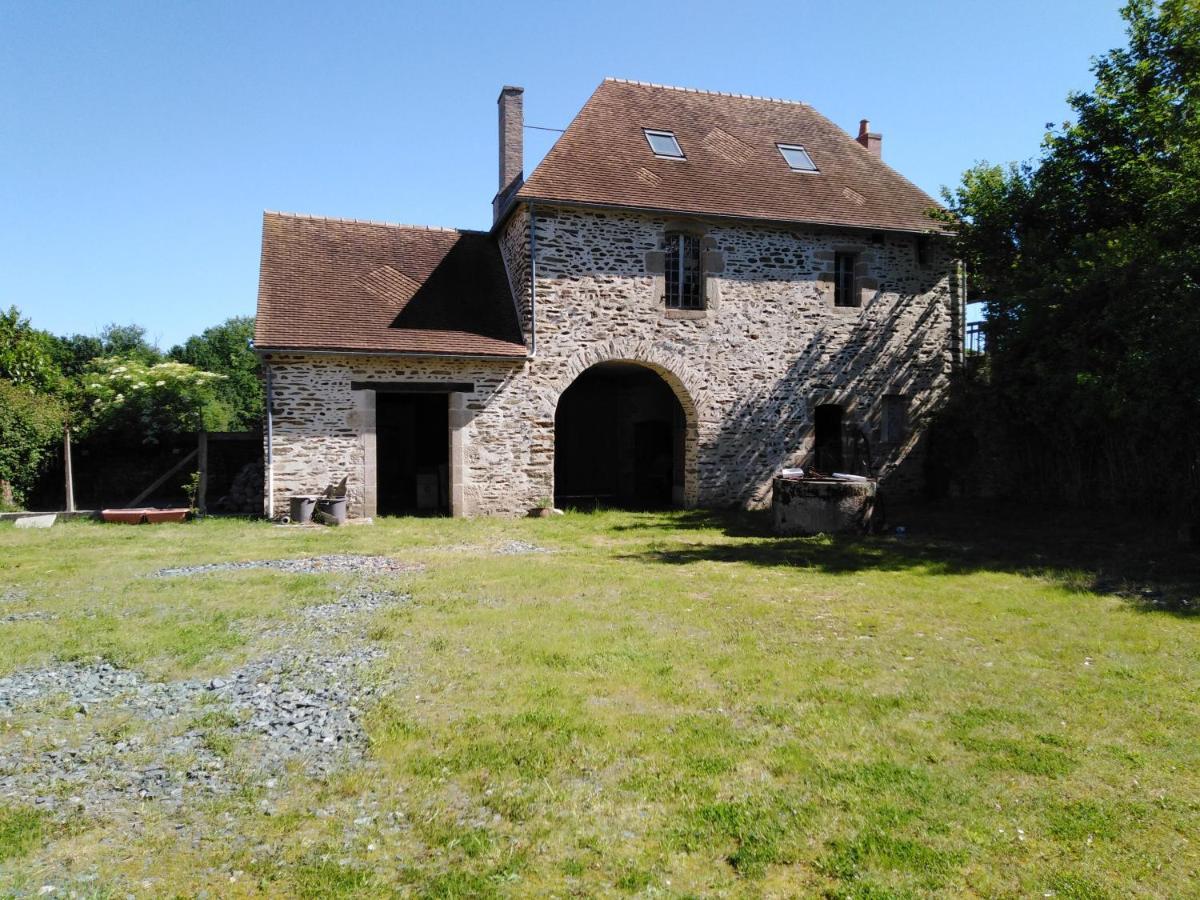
(1136, 561)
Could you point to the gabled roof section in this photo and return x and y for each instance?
(733, 165)
(340, 284)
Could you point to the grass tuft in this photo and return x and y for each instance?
(320, 875)
(878, 851)
(21, 829)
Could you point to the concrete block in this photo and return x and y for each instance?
(35, 521)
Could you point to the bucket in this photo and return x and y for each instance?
(333, 508)
(302, 509)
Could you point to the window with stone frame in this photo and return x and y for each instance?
(683, 271)
(845, 286)
(893, 425)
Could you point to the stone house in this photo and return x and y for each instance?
(690, 292)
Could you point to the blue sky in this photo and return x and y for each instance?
(140, 142)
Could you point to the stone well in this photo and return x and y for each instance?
(822, 505)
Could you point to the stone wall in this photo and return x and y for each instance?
(322, 431)
(748, 371)
(770, 346)
(514, 247)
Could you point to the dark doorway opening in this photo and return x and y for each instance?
(412, 454)
(619, 440)
(827, 442)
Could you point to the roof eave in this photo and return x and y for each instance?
(517, 356)
(827, 223)
(510, 207)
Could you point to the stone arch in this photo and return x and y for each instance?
(684, 383)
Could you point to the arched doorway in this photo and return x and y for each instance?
(620, 439)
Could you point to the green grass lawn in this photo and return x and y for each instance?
(670, 705)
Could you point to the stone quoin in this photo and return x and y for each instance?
(636, 328)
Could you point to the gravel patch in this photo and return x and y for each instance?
(303, 705)
(333, 563)
(308, 697)
(12, 596)
(73, 756)
(337, 615)
(512, 548)
(98, 683)
(101, 739)
(102, 775)
(33, 616)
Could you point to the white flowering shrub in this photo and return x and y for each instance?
(154, 399)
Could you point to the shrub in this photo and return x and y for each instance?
(30, 424)
(151, 400)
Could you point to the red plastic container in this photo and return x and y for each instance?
(144, 514)
(155, 516)
(126, 516)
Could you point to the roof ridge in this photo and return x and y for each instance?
(349, 221)
(692, 90)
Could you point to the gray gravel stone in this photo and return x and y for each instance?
(512, 548)
(299, 703)
(11, 597)
(313, 565)
(32, 616)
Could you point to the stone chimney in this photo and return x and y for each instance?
(872, 140)
(512, 123)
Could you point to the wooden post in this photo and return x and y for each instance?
(202, 461)
(68, 475)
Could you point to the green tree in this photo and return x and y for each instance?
(75, 352)
(30, 425)
(27, 355)
(129, 342)
(226, 350)
(32, 408)
(1088, 259)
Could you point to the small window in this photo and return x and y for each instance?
(894, 422)
(797, 158)
(663, 143)
(827, 438)
(684, 278)
(844, 293)
(922, 250)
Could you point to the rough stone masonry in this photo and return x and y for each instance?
(748, 370)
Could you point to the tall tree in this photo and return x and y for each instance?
(129, 342)
(1089, 260)
(226, 349)
(75, 352)
(27, 355)
(32, 412)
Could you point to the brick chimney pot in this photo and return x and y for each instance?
(872, 140)
(512, 136)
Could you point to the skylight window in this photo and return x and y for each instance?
(663, 144)
(797, 158)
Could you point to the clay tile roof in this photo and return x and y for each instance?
(339, 284)
(733, 167)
